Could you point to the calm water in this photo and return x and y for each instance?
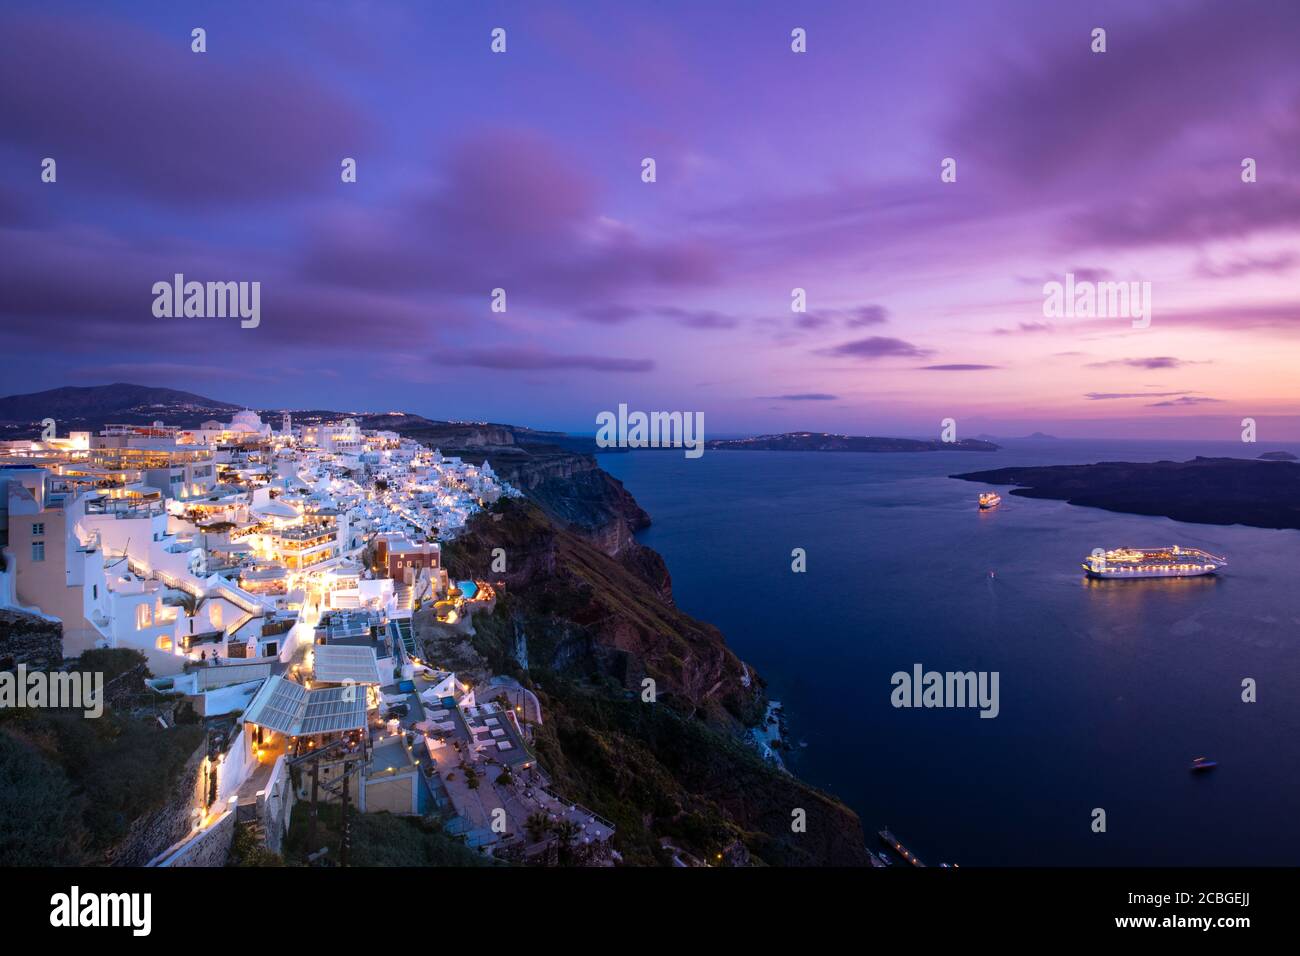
(1108, 689)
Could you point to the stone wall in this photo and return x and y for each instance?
(209, 847)
(276, 807)
(171, 823)
(126, 687)
(30, 640)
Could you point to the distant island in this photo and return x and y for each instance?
(1278, 456)
(822, 441)
(1261, 494)
(1035, 436)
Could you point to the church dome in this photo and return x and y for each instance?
(247, 417)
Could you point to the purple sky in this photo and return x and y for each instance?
(775, 170)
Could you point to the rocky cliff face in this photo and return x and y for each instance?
(585, 617)
(596, 625)
(568, 484)
(29, 640)
(578, 603)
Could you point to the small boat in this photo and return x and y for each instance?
(1203, 763)
(989, 500)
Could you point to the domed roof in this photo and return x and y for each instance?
(247, 417)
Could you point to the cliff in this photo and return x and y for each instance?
(592, 627)
(581, 608)
(566, 483)
(117, 789)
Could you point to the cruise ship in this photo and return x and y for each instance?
(1170, 562)
(990, 499)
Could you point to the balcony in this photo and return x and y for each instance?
(125, 507)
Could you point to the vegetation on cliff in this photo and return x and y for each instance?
(70, 786)
(592, 627)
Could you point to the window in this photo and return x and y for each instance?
(38, 550)
(38, 529)
(143, 616)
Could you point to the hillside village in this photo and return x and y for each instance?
(270, 575)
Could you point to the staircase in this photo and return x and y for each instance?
(402, 627)
(405, 598)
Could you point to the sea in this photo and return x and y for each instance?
(1107, 689)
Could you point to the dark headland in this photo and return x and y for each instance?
(1261, 494)
(821, 441)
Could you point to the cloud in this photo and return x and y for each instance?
(1110, 396)
(1029, 327)
(1156, 362)
(115, 372)
(1236, 268)
(1266, 316)
(698, 318)
(875, 347)
(687, 318)
(517, 359)
(856, 317)
(1080, 273)
(510, 210)
(1184, 400)
(802, 397)
(867, 315)
(1190, 214)
(1189, 90)
(957, 368)
(98, 288)
(128, 110)
(608, 314)
(1020, 120)
(853, 318)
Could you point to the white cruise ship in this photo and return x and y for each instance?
(1170, 562)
